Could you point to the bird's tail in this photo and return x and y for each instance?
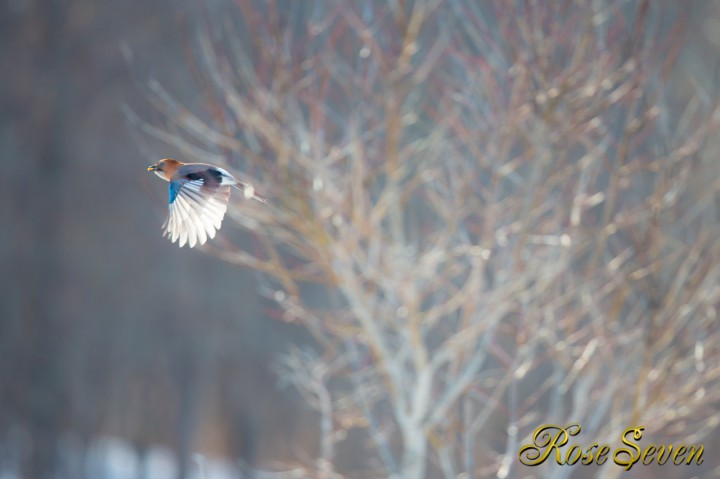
(248, 191)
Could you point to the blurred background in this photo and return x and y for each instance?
(505, 209)
(107, 330)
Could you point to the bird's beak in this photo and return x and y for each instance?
(152, 168)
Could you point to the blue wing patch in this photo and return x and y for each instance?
(174, 190)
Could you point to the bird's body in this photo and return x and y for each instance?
(198, 198)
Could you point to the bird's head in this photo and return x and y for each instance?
(165, 168)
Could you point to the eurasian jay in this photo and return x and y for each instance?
(199, 194)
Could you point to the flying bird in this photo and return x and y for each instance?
(199, 194)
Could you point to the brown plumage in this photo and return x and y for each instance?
(199, 194)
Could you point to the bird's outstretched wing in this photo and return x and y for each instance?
(196, 208)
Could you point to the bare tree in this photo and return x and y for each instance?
(482, 213)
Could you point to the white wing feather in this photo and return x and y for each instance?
(196, 213)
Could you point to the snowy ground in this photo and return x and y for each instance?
(112, 458)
